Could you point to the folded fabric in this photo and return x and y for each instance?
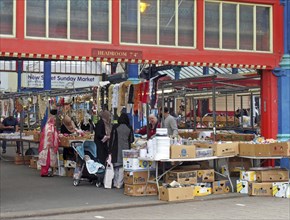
(93, 167)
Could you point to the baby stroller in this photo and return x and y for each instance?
(87, 152)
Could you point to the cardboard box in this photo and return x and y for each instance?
(139, 190)
(136, 177)
(176, 194)
(236, 164)
(204, 152)
(280, 189)
(202, 189)
(280, 149)
(222, 149)
(260, 189)
(181, 176)
(205, 176)
(182, 151)
(69, 172)
(33, 163)
(248, 175)
(242, 186)
(272, 175)
(264, 150)
(221, 187)
(130, 164)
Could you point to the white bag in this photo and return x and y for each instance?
(109, 176)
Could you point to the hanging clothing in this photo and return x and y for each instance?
(48, 146)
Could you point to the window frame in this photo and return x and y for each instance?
(13, 35)
(68, 38)
(238, 4)
(194, 43)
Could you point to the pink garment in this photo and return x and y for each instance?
(48, 146)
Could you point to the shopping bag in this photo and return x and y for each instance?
(109, 176)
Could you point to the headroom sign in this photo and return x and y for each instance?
(59, 81)
(119, 54)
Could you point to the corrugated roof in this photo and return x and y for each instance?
(194, 71)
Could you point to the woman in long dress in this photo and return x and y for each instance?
(48, 147)
(102, 135)
(122, 136)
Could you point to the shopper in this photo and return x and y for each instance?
(170, 123)
(102, 135)
(48, 147)
(152, 126)
(121, 138)
(68, 127)
(10, 125)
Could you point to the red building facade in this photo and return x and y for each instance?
(235, 34)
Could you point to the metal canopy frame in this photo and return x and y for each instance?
(212, 86)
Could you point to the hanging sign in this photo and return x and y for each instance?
(119, 54)
(59, 81)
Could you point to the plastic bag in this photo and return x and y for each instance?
(109, 176)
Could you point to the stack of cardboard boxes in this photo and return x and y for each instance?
(264, 182)
(136, 174)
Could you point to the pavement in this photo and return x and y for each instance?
(25, 194)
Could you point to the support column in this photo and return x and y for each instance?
(46, 85)
(283, 75)
(133, 76)
(269, 101)
(269, 115)
(47, 75)
(19, 73)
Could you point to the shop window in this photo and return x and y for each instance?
(35, 18)
(129, 20)
(186, 22)
(167, 22)
(79, 19)
(212, 25)
(57, 19)
(158, 22)
(100, 20)
(246, 27)
(229, 21)
(253, 32)
(262, 28)
(6, 17)
(148, 22)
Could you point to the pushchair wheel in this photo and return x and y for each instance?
(76, 182)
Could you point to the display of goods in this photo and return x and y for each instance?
(188, 134)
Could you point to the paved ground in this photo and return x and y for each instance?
(25, 194)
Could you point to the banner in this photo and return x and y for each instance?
(59, 81)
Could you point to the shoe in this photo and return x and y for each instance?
(3, 151)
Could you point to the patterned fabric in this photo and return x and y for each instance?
(49, 143)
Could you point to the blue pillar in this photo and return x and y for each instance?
(235, 70)
(205, 70)
(46, 85)
(133, 76)
(19, 72)
(47, 75)
(283, 75)
(177, 72)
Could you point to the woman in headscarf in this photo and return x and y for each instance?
(68, 127)
(102, 135)
(121, 138)
(48, 147)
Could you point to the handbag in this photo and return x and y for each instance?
(109, 176)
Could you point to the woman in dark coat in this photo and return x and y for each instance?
(102, 135)
(121, 138)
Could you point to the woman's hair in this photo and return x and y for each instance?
(124, 119)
